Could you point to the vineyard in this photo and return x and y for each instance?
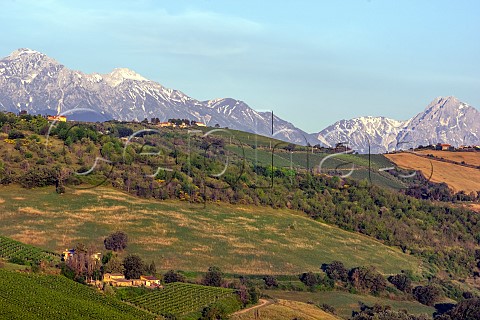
(11, 249)
(34, 296)
(181, 298)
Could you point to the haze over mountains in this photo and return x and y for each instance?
(32, 81)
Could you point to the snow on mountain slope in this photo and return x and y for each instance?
(359, 133)
(30, 80)
(445, 120)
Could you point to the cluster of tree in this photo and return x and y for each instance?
(314, 281)
(378, 312)
(364, 279)
(468, 309)
(85, 265)
(444, 235)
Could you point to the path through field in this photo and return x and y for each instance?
(262, 303)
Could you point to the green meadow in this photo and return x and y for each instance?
(189, 236)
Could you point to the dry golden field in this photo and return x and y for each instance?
(472, 158)
(457, 177)
(286, 310)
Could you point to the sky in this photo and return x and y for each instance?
(311, 62)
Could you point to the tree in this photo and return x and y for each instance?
(465, 310)
(116, 241)
(151, 269)
(309, 279)
(337, 271)
(427, 295)
(290, 147)
(172, 276)
(113, 265)
(401, 282)
(270, 281)
(213, 277)
(254, 295)
(134, 266)
(213, 312)
(367, 279)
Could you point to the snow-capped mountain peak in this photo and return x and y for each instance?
(444, 120)
(32, 81)
(118, 75)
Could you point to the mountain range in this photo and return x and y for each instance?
(32, 81)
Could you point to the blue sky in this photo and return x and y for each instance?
(312, 62)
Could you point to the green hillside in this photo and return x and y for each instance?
(183, 235)
(31, 296)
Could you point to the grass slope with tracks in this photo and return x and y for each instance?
(181, 235)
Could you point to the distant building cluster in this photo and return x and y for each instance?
(47, 116)
(57, 118)
(177, 123)
(449, 147)
(115, 279)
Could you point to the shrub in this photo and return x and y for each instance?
(328, 308)
(15, 134)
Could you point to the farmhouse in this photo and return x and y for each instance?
(166, 124)
(57, 118)
(118, 280)
(150, 281)
(444, 147)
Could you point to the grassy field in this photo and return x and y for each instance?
(286, 310)
(181, 235)
(32, 296)
(457, 177)
(345, 302)
(472, 158)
